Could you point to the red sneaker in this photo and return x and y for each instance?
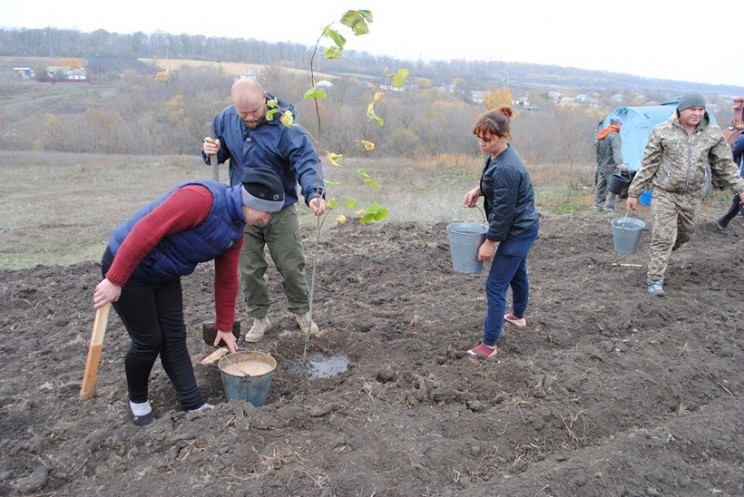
(483, 350)
(518, 322)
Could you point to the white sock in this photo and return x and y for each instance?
(204, 407)
(141, 409)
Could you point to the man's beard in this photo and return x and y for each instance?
(254, 124)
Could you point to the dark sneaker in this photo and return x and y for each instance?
(142, 414)
(656, 288)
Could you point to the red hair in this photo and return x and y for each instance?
(494, 122)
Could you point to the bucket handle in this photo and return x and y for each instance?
(458, 210)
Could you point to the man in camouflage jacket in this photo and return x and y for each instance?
(674, 166)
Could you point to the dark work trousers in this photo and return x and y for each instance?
(153, 317)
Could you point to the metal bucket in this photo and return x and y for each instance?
(246, 375)
(626, 234)
(465, 239)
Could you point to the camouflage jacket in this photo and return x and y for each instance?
(676, 161)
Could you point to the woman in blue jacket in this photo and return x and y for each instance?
(513, 225)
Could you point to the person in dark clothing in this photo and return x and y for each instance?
(609, 162)
(197, 221)
(258, 130)
(736, 205)
(513, 225)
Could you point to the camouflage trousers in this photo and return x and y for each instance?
(675, 215)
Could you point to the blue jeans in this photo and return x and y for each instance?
(509, 268)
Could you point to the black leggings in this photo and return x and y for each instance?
(153, 317)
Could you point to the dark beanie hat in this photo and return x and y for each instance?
(691, 99)
(262, 190)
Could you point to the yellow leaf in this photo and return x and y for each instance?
(341, 219)
(287, 119)
(368, 145)
(334, 158)
(378, 95)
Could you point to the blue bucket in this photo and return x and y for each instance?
(465, 239)
(246, 375)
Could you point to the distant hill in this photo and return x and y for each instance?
(101, 46)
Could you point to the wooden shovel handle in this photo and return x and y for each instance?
(213, 158)
(94, 352)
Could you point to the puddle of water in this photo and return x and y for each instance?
(322, 366)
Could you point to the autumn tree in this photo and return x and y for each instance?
(502, 96)
(71, 62)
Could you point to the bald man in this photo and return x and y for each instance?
(250, 134)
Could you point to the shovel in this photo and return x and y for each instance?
(88, 386)
(213, 158)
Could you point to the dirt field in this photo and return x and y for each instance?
(606, 392)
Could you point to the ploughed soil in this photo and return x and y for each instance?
(607, 391)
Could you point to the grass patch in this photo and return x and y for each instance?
(60, 208)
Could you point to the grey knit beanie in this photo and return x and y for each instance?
(691, 99)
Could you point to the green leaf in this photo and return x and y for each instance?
(381, 214)
(332, 203)
(371, 114)
(314, 93)
(335, 37)
(357, 21)
(368, 218)
(375, 212)
(334, 158)
(332, 53)
(332, 183)
(400, 77)
(271, 113)
(351, 203)
(362, 174)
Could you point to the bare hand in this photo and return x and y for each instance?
(486, 250)
(631, 203)
(105, 292)
(318, 205)
(228, 338)
(211, 146)
(472, 197)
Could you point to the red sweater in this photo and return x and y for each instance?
(184, 209)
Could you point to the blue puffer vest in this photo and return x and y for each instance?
(177, 255)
